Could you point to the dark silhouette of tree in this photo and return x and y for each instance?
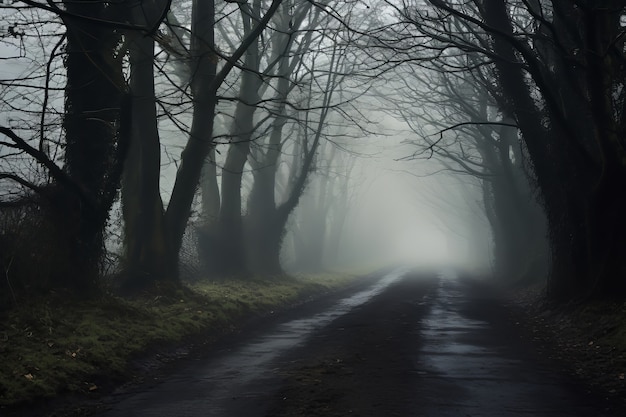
(95, 141)
(81, 171)
(144, 229)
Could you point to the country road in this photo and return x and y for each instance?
(410, 344)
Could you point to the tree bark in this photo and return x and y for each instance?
(95, 143)
(144, 228)
(230, 250)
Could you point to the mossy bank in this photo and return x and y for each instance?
(58, 346)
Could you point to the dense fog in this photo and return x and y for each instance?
(407, 212)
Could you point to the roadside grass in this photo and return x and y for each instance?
(56, 345)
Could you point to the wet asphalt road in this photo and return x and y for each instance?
(409, 345)
(472, 350)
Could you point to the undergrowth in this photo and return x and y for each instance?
(57, 345)
(589, 339)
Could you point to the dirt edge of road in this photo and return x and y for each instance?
(587, 341)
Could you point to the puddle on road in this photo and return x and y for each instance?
(444, 327)
(218, 387)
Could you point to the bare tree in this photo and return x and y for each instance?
(82, 165)
(159, 249)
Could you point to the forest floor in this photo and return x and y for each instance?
(589, 340)
(59, 350)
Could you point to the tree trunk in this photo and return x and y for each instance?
(95, 143)
(207, 240)
(560, 177)
(210, 192)
(204, 85)
(230, 249)
(263, 238)
(606, 225)
(263, 225)
(144, 229)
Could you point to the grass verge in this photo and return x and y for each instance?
(57, 346)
